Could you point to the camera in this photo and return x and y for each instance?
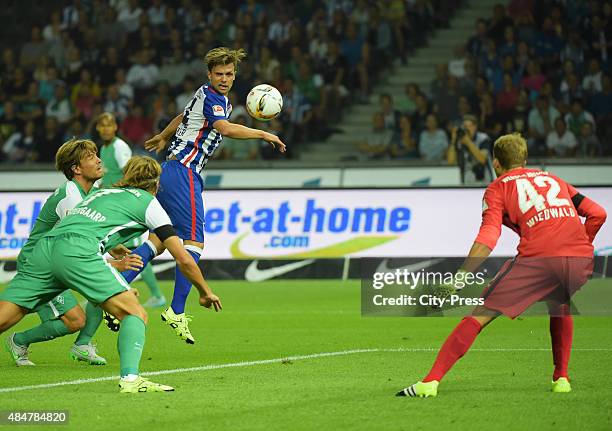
(461, 131)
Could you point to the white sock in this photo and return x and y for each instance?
(129, 378)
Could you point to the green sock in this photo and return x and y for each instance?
(148, 276)
(47, 330)
(130, 344)
(93, 317)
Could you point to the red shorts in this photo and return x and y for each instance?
(523, 281)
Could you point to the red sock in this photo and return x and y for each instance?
(455, 346)
(561, 333)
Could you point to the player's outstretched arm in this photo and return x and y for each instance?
(238, 131)
(160, 141)
(191, 270)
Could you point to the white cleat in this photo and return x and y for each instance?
(17, 352)
(86, 353)
(155, 302)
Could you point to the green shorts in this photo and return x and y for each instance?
(66, 261)
(58, 306)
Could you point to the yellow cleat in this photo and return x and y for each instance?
(561, 386)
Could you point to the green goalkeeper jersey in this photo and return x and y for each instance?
(113, 216)
(55, 208)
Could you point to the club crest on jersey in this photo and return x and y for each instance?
(218, 111)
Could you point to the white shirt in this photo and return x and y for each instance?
(560, 144)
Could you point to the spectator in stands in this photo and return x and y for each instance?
(189, 88)
(599, 40)
(111, 61)
(46, 86)
(156, 13)
(34, 49)
(507, 98)
(491, 120)
(439, 86)
(560, 141)
(540, 123)
(19, 146)
(109, 30)
(175, 69)
(48, 144)
(129, 15)
(143, 75)
(404, 144)
(32, 107)
(420, 114)
(433, 142)
(10, 123)
(125, 88)
(592, 80)
(266, 64)
(377, 143)
(588, 143)
(547, 43)
(570, 89)
(115, 103)
(357, 53)
(445, 103)
(509, 45)
(498, 23)
(17, 88)
(407, 101)
(59, 106)
(85, 88)
(457, 66)
(390, 114)
(471, 151)
(136, 128)
(334, 71)
(577, 117)
(574, 49)
(600, 104)
(534, 80)
(297, 112)
(53, 30)
(476, 44)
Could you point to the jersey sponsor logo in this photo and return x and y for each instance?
(218, 111)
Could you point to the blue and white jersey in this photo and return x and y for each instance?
(196, 139)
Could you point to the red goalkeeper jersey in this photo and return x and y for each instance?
(543, 210)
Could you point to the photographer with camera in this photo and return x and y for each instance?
(471, 151)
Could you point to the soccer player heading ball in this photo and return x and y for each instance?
(555, 258)
(194, 136)
(71, 255)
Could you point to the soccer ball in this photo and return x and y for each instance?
(264, 102)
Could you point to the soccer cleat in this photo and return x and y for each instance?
(140, 384)
(18, 353)
(155, 301)
(112, 322)
(86, 353)
(561, 385)
(420, 389)
(180, 324)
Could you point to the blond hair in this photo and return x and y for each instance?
(106, 116)
(140, 172)
(71, 153)
(510, 150)
(222, 56)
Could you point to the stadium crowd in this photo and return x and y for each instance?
(539, 67)
(142, 60)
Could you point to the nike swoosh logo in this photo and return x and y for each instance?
(253, 273)
(6, 276)
(415, 267)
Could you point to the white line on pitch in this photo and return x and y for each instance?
(269, 361)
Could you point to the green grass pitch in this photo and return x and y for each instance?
(503, 383)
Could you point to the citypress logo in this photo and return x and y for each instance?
(16, 222)
(293, 232)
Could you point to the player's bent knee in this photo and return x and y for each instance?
(10, 314)
(74, 319)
